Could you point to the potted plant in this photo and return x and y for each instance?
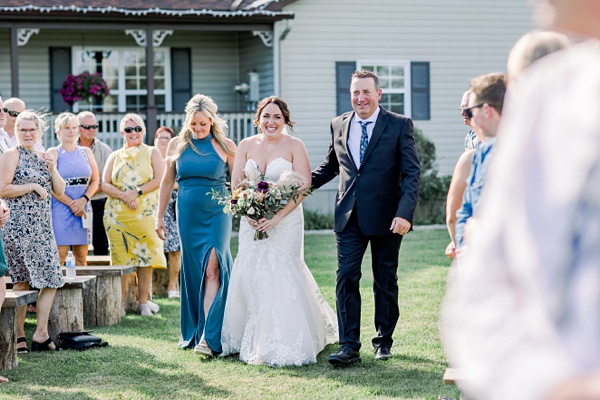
(85, 86)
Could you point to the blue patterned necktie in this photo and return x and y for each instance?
(364, 138)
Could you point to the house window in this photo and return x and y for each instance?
(124, 70)
(394, 79)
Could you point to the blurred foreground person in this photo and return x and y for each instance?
(524, 322)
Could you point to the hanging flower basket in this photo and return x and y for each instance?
(84, 86)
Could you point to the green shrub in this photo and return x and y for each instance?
(314, 220)
(431, 208)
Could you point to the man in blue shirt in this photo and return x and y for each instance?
(485, 110)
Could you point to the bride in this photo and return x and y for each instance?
(275, 313)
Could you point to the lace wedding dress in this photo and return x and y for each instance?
(275, 313)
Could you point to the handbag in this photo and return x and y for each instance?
(80, 340)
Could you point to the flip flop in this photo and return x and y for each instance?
(203, 349)
(22, 350)
(3, 379)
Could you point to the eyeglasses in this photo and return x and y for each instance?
(130, 129)
(24, 132)
(90, 126)
(467, 110)
(12, 113)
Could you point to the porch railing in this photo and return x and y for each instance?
(240, 126)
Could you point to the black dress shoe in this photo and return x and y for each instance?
(382, 353)
(345, 356)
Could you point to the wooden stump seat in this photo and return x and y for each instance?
(8, 325)
(102, 306)
(67, 313)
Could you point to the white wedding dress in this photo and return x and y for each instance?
(275, 313)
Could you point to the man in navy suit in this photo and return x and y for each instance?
(373, 151)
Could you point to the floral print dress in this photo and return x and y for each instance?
(29, 243)
(131, 234)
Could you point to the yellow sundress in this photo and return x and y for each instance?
(131, 235)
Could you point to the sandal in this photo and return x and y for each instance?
(22, 350)
(203, 349)
(3, 379)
(35, 346)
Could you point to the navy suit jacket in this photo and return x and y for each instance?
(387, 183)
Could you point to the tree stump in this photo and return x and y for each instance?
(8, 326)
(66, 314)
(160, 282)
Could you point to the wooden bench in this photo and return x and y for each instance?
(8, 325)
(452, 376)
(67, 313)
(98, 260)
(102, 306)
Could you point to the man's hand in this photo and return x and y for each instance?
(400, 226)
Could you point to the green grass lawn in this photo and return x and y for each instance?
(143, 362)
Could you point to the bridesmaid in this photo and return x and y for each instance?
(77, 166)
(199, 159)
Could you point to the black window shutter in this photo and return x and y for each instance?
(181, 77)
(60, 67)
(343, 77)
(420, 92)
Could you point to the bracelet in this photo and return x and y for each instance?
(87, 198)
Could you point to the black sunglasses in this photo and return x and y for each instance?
(90, 126)
(468, 111)
(130, 129)
(12, 113)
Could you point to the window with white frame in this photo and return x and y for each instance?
(124, 70)
(394, 79)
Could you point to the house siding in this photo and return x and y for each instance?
(460, 39)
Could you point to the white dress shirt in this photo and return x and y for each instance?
(356, 133)
(4, 140)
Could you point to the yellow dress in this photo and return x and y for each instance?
(131, 234)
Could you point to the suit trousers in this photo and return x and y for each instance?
(385, 250)
(99, 239)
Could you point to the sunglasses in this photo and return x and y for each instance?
(468, 111)
(130, 129)
(90, 126)
(12, 113)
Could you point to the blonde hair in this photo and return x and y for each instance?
(135, 118)
(38, 118)
(531, 47)
(63, 119)
(205, 105)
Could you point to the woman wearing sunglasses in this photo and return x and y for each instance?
(130, 179)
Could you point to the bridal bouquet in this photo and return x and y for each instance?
(257, 198)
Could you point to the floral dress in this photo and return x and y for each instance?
(131, 235)
(29, 244)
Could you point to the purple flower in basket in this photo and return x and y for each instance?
(262, 187)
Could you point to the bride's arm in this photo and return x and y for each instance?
(237, 172)
(301, 166)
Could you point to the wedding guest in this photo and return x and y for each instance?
(162, 139)
(13, 107)
(471, 139)
(76, 165)
(28, 178)
(4, 138)
(524, 321)
(131, 179)
(271, 288)
(88, 129)
(485, 110)
(199, 159)
(4, 216)
(531, 47)
(373, 151)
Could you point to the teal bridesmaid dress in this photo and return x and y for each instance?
(203, 226)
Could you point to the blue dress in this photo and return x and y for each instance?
(202, 226)
(74, 168)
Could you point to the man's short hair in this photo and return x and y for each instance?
(365, 73)
(85, 114)
(490, 89)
